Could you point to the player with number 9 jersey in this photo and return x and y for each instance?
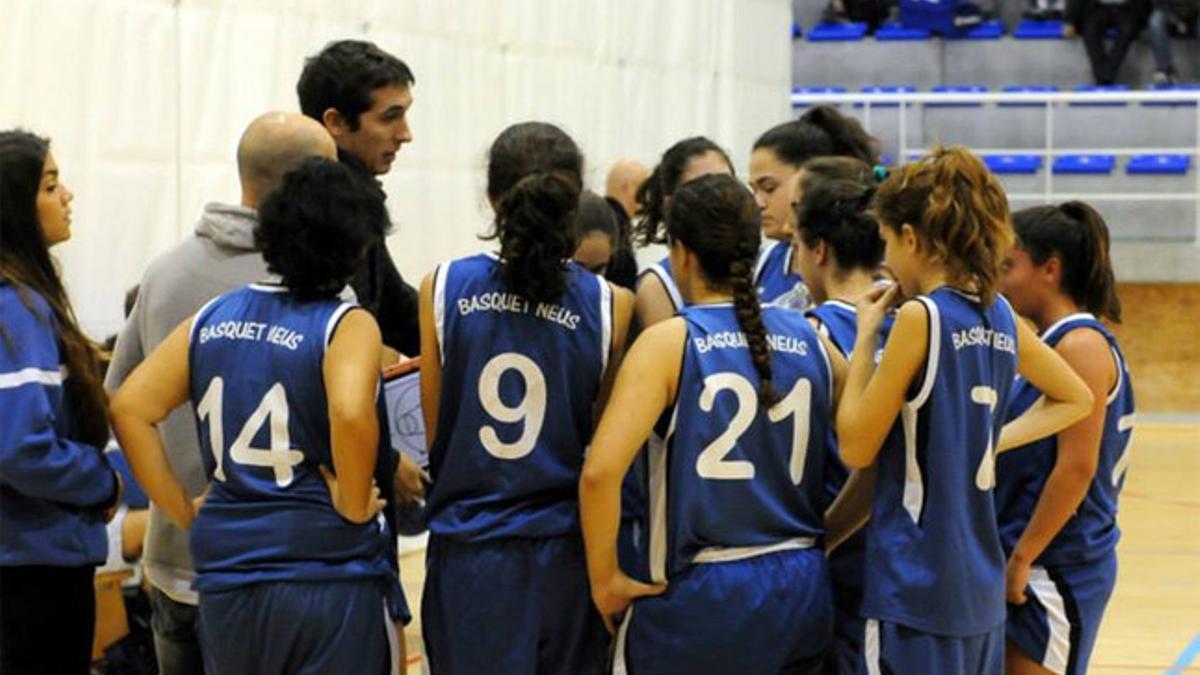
(518, 346)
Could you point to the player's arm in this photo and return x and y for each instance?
(652, 304)
(158, 385)
(1067, 398)
(622, 304)
(1088, 353)
(351, 374)
(645, 386)
(873, 396)
(431, 362)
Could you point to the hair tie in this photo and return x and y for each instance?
(881, 173)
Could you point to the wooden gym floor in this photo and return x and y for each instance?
(1153, 620)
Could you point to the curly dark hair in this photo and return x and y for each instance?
(534, 181)
(715, 217)
(343, 75)
(315, 229)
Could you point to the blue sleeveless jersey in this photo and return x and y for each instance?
(934, 561)
(731, 480)
(773, 273)
(662, 270)
(1021, 473)
(257, 386)
(519, 379)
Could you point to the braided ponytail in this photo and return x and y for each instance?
(716, 218)
(534, 181)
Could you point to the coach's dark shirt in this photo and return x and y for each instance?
(622, 269)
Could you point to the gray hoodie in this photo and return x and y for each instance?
(220, 257)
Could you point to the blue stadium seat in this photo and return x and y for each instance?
(797, 31)
(1100, 88)
(837, 32)
(988, 30)
(957, 89)
(1161, 165)
(1013, 164)
(1085, 164)
(1029, 29)
(1172, 87)
(816, 90)
(1032, 88)
(904, 89)
(893, 32)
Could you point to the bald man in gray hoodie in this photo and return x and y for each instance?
(219, 257)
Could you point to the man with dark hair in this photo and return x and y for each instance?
(362, 94)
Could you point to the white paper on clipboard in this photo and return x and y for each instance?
(402, 396)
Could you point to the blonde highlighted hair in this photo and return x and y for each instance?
(958, 210)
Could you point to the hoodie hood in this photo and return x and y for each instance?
(228, 225)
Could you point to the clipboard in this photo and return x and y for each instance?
(402, 398)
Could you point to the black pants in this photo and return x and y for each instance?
(47, 620)
(1106, 62)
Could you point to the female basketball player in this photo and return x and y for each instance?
(293, 566)
(658, 295)
(520, 345)
(777, 156)
(742, 397)
(838, 250)
(1056, 499)
(934, 598)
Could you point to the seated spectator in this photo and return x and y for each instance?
(1092, 19)
(871, 12)
(596, 233)
(1046, 10)
(1171, 16)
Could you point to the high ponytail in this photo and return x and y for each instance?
(534, 182)
(653, 193)
(1077, 235)
(716, 218)
(959, 211)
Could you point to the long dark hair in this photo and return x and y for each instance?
(535, 174)
(1076, 234)
(652, 194)
(26, 264)
(715, 217)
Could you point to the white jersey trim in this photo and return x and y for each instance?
(656, 496)
(871, 647)
(17, 378)
(619, 665)
(268, 288)
(914, 486)
(668, 283)
(606, 324)
(1058, 645)
(720, 554)
(196, 319)
(333, 321)
(1054, 327)
(439, 307)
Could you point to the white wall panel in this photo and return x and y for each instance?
(145, 101)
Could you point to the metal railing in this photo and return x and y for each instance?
(902, 102)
